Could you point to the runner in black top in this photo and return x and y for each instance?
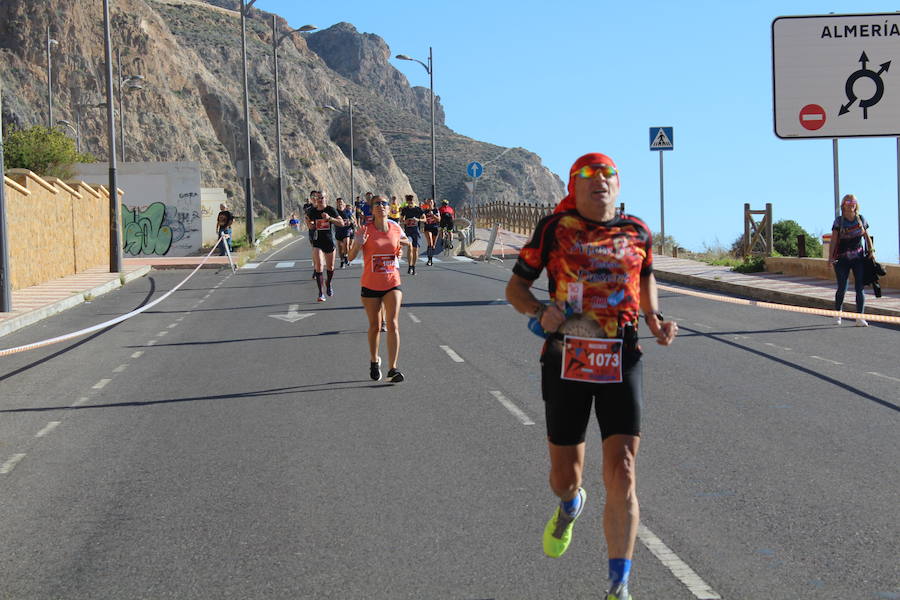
(600, 270)
(319, 220)
(412, 215)
(432, 218)
(344, 232)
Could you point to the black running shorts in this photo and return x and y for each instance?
(413, 234)
(369, 293)
(325, 243)
(567, 404)
(431, 229)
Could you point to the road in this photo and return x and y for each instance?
(206, 449)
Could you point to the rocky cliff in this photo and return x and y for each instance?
(190, 107)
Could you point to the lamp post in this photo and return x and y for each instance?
(352, 199)
(276, 41)
(115, 211)
(5, 291)
(50, 42)
(131, 82)
(429, 68)
(248, 187)
(74, 129)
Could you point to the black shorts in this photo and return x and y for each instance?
(567, 404)
(447, 224)
(369, 293)
(325, 243)
(343, 235)
(413, 234)
(431, 229)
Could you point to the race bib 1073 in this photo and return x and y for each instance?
(592, 360)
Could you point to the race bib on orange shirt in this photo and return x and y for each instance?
(384, 263)
(323, 224)
(592, 360)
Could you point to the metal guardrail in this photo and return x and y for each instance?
(273, 228)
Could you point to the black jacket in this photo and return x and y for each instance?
(871, 273)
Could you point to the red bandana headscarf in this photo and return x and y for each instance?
(595, 158)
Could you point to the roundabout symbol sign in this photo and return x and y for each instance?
(856, 76)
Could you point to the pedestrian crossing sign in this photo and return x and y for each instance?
(662, 138)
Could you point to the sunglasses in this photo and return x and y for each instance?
(381, 203)
(591, 171)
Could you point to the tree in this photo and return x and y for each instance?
(47, 152)
(785, 234)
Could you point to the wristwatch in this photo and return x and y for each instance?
(658, 314)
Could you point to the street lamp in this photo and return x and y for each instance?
(352, 198)
(129, 82)
(50, 42)
(5, 286)
(248, 188)
(430, 70)
(115, 210)
(276, 41)
(74, 129)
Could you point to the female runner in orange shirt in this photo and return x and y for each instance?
(380, 242)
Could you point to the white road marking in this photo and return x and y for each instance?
(162, 334)
(49, 427)
(137, 354)
(173, 325)
(284, 265)
(885, 376)
(463, 259)
(150, 343)
(120, 368)
(101, 384)
(179, 319)
(11, 463)
(511, 407)
(456, 357)
(834, 362)
(777, 346)
(292, 315)
(686, 575)
(251, 266)
(79, 402)
(702, 326)
(414, 318)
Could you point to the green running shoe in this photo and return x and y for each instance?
(619, 592)
(558, 532)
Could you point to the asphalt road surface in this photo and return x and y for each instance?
(208, 449)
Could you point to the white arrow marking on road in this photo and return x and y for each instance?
(292, 315)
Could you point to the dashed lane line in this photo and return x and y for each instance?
(285, 265)
(414, 318)
(79, 402)
(162, 333)
(150, 343)
(10, 464)
(47, 429)
(101, 384)
(172, 325)
(251, 266)
(828, 360)
(686, 575)
(120, 368)
(777, 346)
(511, 407)
(137, 354)
(884, 376)
(452, 354)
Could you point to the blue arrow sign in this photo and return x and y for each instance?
(662, 138)
(474, 169)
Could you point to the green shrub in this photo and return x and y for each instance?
(47, 152)
(751, 264)
(785, 234)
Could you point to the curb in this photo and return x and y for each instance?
(765, 295)
(29, 318)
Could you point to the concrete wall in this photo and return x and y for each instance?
(819, 267)
(55, 228)
(162, 214)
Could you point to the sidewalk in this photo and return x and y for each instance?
(39, 302)
(769, 287)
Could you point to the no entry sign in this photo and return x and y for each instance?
(812, 117)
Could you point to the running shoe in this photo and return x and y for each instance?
(429, 262)
(321, 298)
(413, 270)
(862, 323)
(837, 321)
(330, 291)
(375, 370)
(383, 326)
(395, 376)
(558, 531)
(618, 592)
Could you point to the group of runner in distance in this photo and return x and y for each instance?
(599, 267)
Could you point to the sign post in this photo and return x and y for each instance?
(474, 170)
(661, 139)
(5, 285)
(832, 78)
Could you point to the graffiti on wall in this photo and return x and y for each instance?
(157, 228)
(145, 230)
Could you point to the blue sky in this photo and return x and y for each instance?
(565, 78)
